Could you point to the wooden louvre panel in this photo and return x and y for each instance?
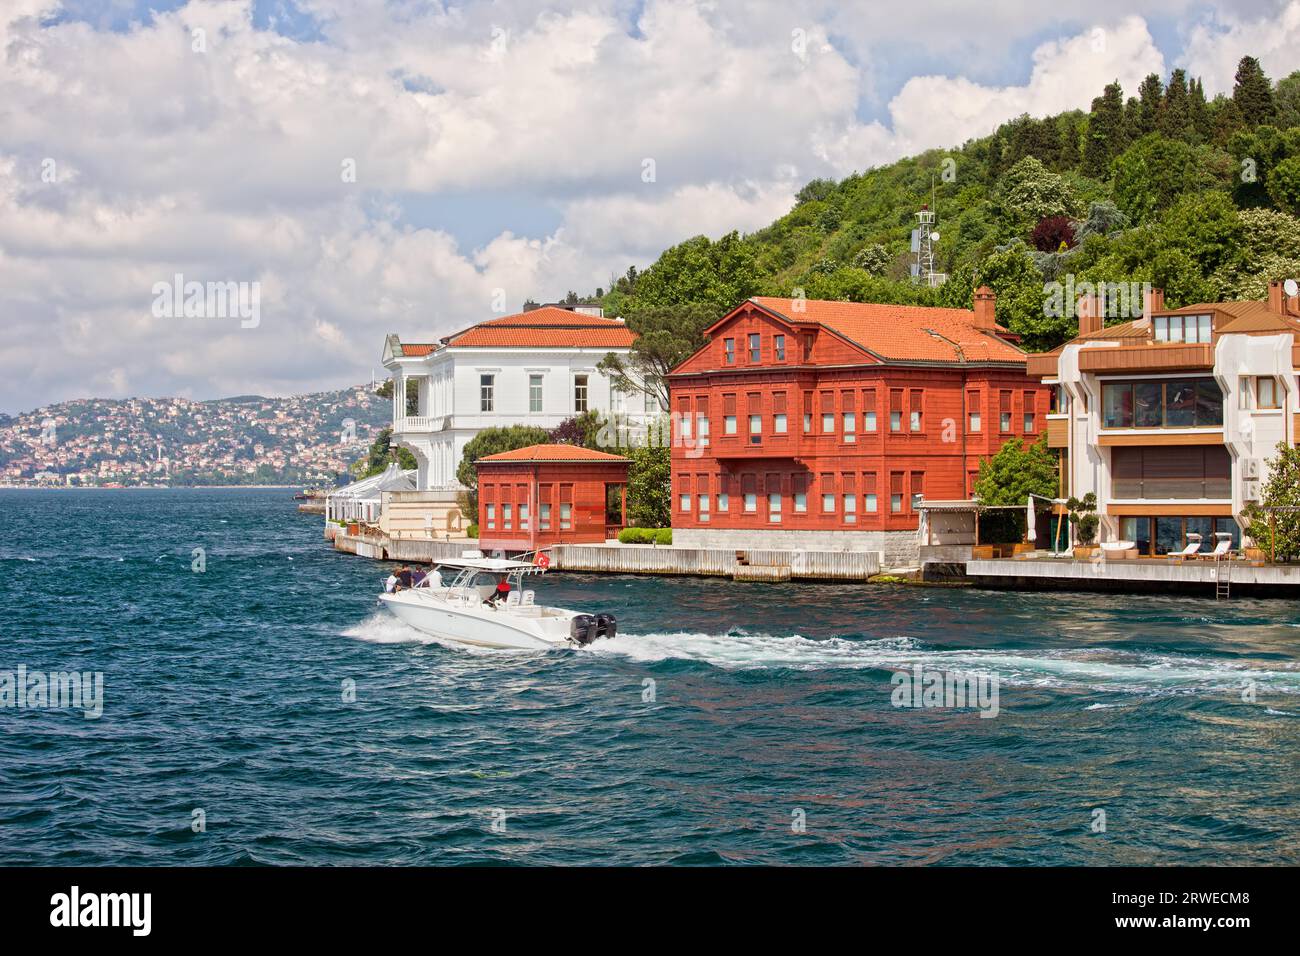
(807, 403)
(749, 484)
(1004, 401)
(916, 400)
(918, 482)
(1171, 461)
(754, 402)
(729, 404)
(778, 403)
(847, 400)
(895, 482)
(869, 483)
(895, 399)
(828, 402)
(869, 400)
(702, 405)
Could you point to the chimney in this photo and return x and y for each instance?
(985, 302)
(1089, 312)
(1276, 297)
(1157, 300)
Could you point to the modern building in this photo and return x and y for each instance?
(819, 425)
(543, 495)
(534, 368)
(1169, 419)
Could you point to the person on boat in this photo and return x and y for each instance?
(391, 584)
(403, 576)
(417, 577)
(502, 591)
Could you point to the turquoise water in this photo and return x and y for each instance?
(223, 692)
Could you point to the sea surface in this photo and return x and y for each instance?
(727, 724)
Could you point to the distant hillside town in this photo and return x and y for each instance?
(246, 440)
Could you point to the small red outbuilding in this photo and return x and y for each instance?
(542, 495)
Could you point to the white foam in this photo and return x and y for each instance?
(1103, 669)
(382, 628)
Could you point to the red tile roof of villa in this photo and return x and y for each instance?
(553, 453)
(547, 327)
(904, 333)
(416, 349)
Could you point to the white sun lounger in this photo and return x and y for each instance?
(1193, 547)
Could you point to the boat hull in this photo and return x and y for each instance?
(474, 626)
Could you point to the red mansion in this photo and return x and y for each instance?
(813, 424)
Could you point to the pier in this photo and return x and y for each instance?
(615, 558)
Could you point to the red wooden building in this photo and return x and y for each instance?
(542, 495)
(806, 416)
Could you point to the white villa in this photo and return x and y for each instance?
(534, 368)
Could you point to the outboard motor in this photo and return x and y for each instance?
(606, 625)
(582, 629)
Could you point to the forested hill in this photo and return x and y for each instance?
(1157, 184)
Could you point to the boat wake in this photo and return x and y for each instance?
(382, 628)
(1098, 669)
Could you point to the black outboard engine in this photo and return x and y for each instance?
(582, 629)
(606, 625)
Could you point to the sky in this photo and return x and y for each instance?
(360, 167)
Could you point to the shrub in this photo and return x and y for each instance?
(471, 531)
(664, 536)
(646, 536)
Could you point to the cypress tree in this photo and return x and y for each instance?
(1175, 119)
(1253, 93)
(1151, 95)
(1200, 113)
(1105, 131)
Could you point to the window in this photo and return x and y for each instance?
(702, 428)
(850, 509)
(729, 414)
(749, 491)
(973, 421)
(850, 427)
(1029, 413)
(896, 492)
(869, 411)
(807, 412)
(724, 501)
(778, 413)
(545, 516)
(1267, 393)
(685, 502)
(751, 501)
(800, 497)
(755, 429)
(491, 516)
(505, 517)
(1172, 403)
(566, 516)
(1183, 328)
(523, 517)
(895, 409)
(1004, 411)
(755, 348)
(828, 413)
(774, 506)
(534, 393)
(729, 351)
(579, 393)
(1244, 393)
(915, 420)
(703, 511)
(869, 494)
(778, 347)
(827, 483)
(486, 392)
(683, 418)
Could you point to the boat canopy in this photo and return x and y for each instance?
(498, 565)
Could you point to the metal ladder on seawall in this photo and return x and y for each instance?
(1222, 579)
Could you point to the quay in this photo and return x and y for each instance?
(615, 558)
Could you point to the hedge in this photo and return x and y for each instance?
(646, 536)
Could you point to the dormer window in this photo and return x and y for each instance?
(1191, 329)
(729, 348)
(755, 349)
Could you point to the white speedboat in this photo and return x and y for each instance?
(462, 601)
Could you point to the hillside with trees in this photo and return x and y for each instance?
(1160, 184)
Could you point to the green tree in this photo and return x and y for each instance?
(1287, 100)
(491, 441)
(1284, 185)
(718, 275)
(649, 487)
(667, 335)
(381, 454)
(385, 391)
(1105, 138)
(1202, 122)
(1253, 94)
(1175, 120)
(1152, 173)
(1021, 299)
(873, 260)
(1032, 192)
(1281, 490)
(1009, 478)
(1151, 94)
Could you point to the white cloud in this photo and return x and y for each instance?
(226, 164)
(1215, 48)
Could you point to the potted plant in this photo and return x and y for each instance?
(1083, 515)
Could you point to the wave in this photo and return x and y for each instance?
(1098, 669)
(383, 628)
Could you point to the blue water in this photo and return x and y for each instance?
(224, 693)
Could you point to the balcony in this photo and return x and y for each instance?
(1171, 489)
(422, 423)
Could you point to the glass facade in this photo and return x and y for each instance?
(1167, 403)
(1165, 534)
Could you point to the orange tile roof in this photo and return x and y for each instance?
(547, 327)
(905, 333)
(416, 349)
(553, 453)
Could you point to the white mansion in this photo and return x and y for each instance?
(535, 368)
